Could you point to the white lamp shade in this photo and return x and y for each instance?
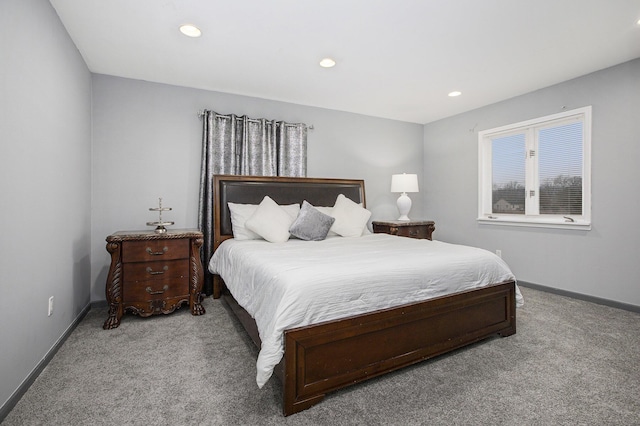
(404, 183)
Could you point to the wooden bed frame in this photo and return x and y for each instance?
(324, 357)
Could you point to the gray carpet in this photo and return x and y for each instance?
(570, 363)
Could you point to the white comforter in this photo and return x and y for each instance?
(287, 285)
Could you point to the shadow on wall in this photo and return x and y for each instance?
(81, 275)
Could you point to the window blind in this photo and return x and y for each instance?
(560, 169)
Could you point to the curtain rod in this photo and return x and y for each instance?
(201, 114)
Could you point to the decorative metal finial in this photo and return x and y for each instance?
(160, 225)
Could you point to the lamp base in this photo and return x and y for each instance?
(404, 205)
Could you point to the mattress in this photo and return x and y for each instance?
(297, 283)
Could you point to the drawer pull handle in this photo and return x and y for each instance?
(152, 272)
(165, 288)
(157, 253)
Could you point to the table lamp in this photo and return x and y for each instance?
(404, 183)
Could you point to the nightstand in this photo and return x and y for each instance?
(421, 229)
(153, 273)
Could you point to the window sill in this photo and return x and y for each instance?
(556, 223)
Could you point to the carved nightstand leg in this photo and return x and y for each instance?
(113, 320)
(114, 288)
(197, 278)
(197, 308)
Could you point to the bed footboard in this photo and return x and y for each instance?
(329, 356)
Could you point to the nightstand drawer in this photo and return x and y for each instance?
(422, 229)
(143, 271)
(156, 289)
(420, 232)
(152, 250)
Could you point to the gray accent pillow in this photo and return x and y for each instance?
(311, 224)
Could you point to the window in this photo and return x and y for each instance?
(538, 172)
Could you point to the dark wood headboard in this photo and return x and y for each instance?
(283, 190)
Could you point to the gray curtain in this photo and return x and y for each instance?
(233, 145)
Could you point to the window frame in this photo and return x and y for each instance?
(532, 217)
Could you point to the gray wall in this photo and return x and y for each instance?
(602, 262)
(147, 144)
(45, 172)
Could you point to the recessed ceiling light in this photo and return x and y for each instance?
(190, 30)
(327, 63)
(455, 93)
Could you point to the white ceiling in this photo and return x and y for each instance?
(396, 59)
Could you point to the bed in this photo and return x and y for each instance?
(326, 355)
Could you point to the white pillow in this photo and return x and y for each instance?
(328, 210)
(270, 221)
(351, 218)
(241, 212)
(325, 210)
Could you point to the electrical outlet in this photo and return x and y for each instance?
(50, 306)
(499, 253)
